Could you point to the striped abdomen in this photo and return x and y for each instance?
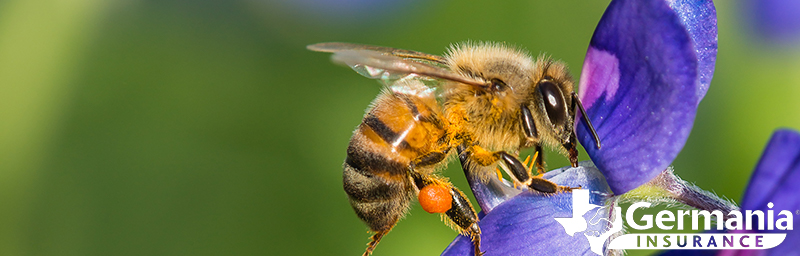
(398, 130)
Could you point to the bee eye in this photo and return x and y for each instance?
(498, 85)
(553, 102)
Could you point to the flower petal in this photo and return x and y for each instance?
(775, 180)
(647, 68)
(700, 20)
(525, 224)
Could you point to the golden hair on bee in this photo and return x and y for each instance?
(540, 89)
(492, 117)
(476, 55)
(494, 100)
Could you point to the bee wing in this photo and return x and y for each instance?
(390, 68)
(391, 65)
(419, 56)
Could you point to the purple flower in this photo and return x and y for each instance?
(524, 224)
(648, 66)
(775, 181)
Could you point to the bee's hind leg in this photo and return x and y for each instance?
(376, 238)
(461, 216)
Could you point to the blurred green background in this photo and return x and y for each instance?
(174, 127)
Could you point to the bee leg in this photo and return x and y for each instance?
(528, 125)
(376, 238)
(518, 170)
(522, 174)
(539, 159)
(429, 159)
(482, 156)
(459, 210)
(462, 214)
(529, 128)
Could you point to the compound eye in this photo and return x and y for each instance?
(554, 103)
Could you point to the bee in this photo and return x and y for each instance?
(485, 100)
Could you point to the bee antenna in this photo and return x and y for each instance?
(586, 119)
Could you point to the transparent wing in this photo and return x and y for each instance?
(435, 60)
(390, 65)
(389, 68)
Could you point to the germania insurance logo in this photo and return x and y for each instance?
(735, 231)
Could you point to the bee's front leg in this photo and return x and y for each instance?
(532, 137)
(518, 170)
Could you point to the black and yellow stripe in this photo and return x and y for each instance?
(377, 184)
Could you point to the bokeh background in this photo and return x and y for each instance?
(176, 127)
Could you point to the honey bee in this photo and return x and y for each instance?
(486, 100)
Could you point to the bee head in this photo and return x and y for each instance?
(551, 99)
(514, 80)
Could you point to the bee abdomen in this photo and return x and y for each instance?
(371, 177)
(397, 130)
(379, 197)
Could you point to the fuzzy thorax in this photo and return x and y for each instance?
(492, 115)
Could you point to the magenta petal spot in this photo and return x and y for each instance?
(642, 80)
(602, 71)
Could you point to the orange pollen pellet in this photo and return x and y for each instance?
(435, 199)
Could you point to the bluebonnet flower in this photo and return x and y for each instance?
(774, 180)
(647, 68)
